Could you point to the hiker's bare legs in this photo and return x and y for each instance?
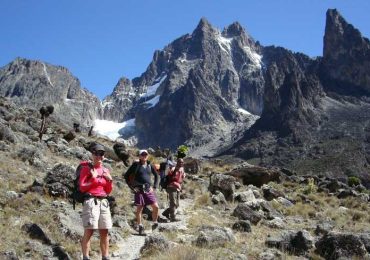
(85, 241)
(139, 213)
(104, 242)
(155, 212)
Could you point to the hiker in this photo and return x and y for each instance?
(164, 168)
(96, 182)
(174, 179)
(139, 180)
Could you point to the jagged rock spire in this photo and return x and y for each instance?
(202, 27)
(340, 34)
(234, 29)
(346, 56)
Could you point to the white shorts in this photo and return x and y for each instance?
(96, 214)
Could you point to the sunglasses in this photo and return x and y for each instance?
(98, 153)
(144, 154)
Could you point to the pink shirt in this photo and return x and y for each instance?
(98, 186)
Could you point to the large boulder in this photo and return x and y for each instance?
(32, 155)
(256, 175)
(365, 238)
(59, 180)
(245, 196)
(155, 242)
(270, 193)
(269, 211)
(213, 237)
(7, 134)
(242, 226)
(223, 183)
(296, 242)
(122, 152)
(192, 166)
(244, 212)
(338, 245)
(36, 232)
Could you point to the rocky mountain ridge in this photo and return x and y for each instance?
(210, 80)
(35, 84)
(222, 93)
(315, 117)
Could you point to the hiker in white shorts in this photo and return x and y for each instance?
(96, 182)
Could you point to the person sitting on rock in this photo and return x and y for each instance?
(175, 179)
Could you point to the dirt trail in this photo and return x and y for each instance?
(130, 247)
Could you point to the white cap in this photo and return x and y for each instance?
(143, 151)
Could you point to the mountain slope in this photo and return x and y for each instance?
(209, 89)
(34, 84)
(316, 115)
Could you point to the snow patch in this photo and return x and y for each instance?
(111, 129)
(108, 104)
(254, 56)
(224, 43)
(153, 89)
(243, 111)
(183, 60)
(47, 74)
(153, 102)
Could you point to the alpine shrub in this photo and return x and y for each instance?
(353, 181)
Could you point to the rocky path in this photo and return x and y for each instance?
(130, 247)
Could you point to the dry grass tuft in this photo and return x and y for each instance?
(181, 252)
(302, 209)
(202, 201)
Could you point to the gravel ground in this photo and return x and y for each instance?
(130, 247)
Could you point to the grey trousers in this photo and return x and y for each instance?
(174, 198)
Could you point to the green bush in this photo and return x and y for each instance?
(353, 181)
(182, 150)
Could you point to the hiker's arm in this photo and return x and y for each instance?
(128, 172)
(109, 184)
(87, 182)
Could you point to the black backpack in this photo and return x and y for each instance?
(130, 174)
(77, 195)
(163, 173)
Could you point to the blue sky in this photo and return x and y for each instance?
(101, 41)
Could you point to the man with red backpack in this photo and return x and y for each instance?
(174, 179)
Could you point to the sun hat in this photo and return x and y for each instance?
(97, 147)
(141, 152)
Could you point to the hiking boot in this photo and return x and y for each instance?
(175, 219)
(105, 258)
(163, 219)
(166, 213)
(141, 230)
(155, 226)
(85, 258)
